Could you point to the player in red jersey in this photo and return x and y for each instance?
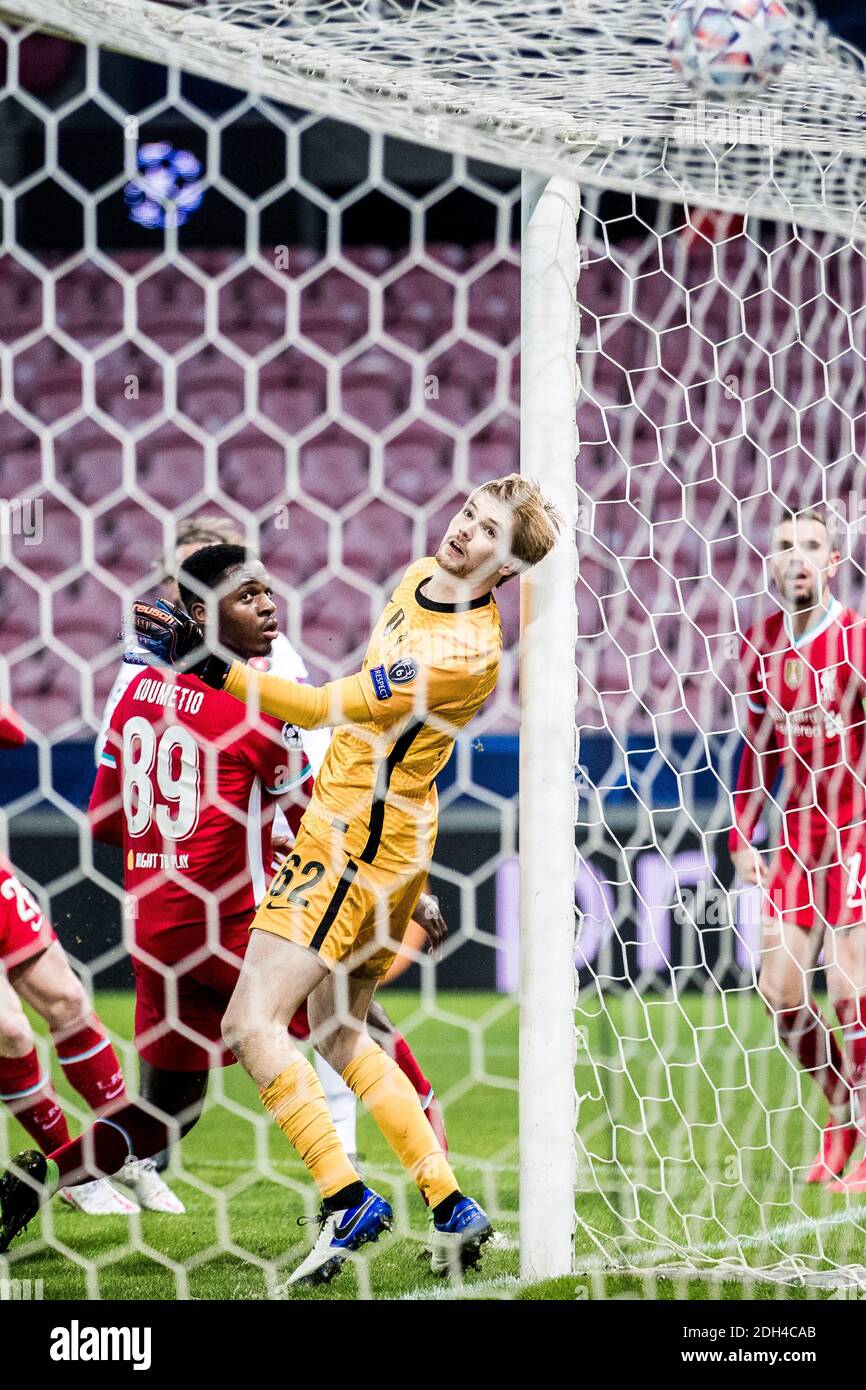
(188, 783)
(34, 968)
(805, 685)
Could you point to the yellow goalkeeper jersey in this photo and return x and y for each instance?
(427, 671)
(429, 668)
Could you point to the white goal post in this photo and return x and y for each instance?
(548, 633)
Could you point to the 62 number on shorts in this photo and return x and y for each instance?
(311, 874)
(167, 765)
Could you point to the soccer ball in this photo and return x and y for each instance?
(167, 188)
(729, 47)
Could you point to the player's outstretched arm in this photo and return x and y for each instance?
(171, 635)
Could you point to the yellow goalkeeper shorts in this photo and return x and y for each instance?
(344, 910)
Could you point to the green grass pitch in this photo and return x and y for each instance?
(694, 1135)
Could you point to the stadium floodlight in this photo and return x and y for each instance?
(581, 97)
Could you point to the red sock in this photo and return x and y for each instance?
(104, 1148)
(852, 1016)
(408, 1064)
(807, 1037)
(90, 1065)
(31, 1098)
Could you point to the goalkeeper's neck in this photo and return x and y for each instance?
(442, 587)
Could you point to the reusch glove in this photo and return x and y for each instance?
(175, 639)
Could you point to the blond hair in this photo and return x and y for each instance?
(536, 521)
(208, 529)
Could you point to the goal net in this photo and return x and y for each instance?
(312, 330)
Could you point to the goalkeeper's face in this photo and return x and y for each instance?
(802, 561)
(247, 614)
(477, 545)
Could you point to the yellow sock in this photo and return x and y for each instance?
(296, 1101)
(391, 1100)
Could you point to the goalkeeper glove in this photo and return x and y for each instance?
(175, 639)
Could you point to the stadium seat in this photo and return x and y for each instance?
(169, 290)
(255, 476)
(19, 611)
(375, 405)
(375, 260)
(292, 367)
(173, 475)
(214, 406)
(128, 542)
(133, 262)
(503, 428)
(377, 542)
(45, 690)
(448, 252)
(42, 361)
(89, 306)
(292, 407)
(480, 251)
(336, 620)
(416, 469)
(294, 545)
(335, 473)
(93, 472)
(467, 366)
(20, 471)
(20, 303)
(131, 412)
(86, 616)
(419, 286)
(301, 259)
(14, 434)
(455, 402)
(54, 545)
(416, 334)
(491, 458)
(377, 367)
(233, 449)
(171, 333)
(494, 301)
(252, 339)
(214, 260)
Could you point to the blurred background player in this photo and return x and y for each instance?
(180, 786)
(34, 968)
(805, 683)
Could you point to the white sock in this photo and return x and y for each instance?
(341, 1103)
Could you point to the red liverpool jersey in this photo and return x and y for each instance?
(188, 782)
(11, 732)
(805, 699)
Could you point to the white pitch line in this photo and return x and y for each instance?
(455, 1291)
